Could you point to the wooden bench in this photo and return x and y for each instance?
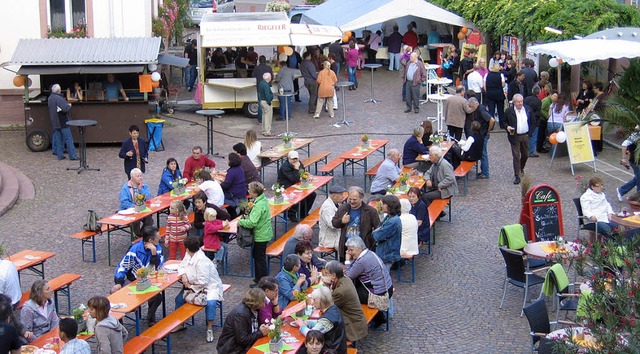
(164, 327)
(435, 208)
(371, 173)
(463, 171)
(325, 251)
(60, 284)
(89, 237)
(329, 167)
(409, 258)
(370, 313)
(314, 159)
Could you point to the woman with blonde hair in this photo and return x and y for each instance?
(254, 147)
(241, 328)
(326, 85)
(494, 84)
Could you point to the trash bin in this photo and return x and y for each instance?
(154, 127)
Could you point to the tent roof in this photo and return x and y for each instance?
(582, 50)
(354, 14)
(261, 29)
(626, 33)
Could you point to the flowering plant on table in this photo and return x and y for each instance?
(364, 138)
(179, 183)
(286, 138)
(277, 189)
(275, 328)
(300, 295)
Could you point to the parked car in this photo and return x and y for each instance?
(197, 8)
(226, 6)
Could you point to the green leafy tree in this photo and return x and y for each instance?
(527, 19)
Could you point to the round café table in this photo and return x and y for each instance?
(210, 114)
(343, 87)
(286, 96)
(82, 124)
(543, 249)
(373, 67)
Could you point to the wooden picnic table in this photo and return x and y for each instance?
(30, 260)
(134, 301)
(291, 335)
(294, 195)
(277, 153)
(156, 205)
(54, 333)
(359, 156)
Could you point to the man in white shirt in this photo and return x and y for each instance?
(9, 281)
(518, 122)
(475, 82)
(329, 236)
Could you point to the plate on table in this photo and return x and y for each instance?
(293, 324)
(172, 267)
(119, 305)
(126, 212)
(29, 349)
(32, 258)
(45, 351)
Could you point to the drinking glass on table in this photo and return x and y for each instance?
(161, 273)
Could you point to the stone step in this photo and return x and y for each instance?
(27, 189)
(9, 188)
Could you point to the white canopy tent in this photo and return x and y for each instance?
(261, 29)
(355, 14)
(581, 50)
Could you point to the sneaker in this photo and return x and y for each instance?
(209, 335)
(316, 116)
(619, 194)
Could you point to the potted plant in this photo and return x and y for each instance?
(140, 199)
(305, 178)
(436, 139)
(286, 138)
(301, 296)
(277, 189)
(179, 186)
(404, 178)
(365, 141)
(275, 334)
(143, 279)
(78, 315)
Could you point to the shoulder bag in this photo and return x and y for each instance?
(196, 297)
(380, 302)
(244, 236)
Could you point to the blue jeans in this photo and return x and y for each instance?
(64, 140)
(387, 266)
(394, 61)
(285, 101)
(209, 310)
(533, 141)
(190, 75)
(634, 182)
(604, 228)
(352, 74)
(484, 161)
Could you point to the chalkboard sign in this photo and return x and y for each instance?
(545, 222)
(542, 214)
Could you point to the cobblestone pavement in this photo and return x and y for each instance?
(452, 307)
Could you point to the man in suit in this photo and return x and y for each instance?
(519, 119)
(440, 182)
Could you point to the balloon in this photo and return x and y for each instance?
(155, 84)
(152, 67)
(561, 137)
(281, 49)
(155, 76)
(282, 57)
(464, 30)
(345, 38)
(553, 62)
(461, 36)
(288, 51)
(553, 138)
(18, 80)
(29, 82)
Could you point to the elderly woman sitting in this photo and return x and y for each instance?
(38, 314)
(596, 207)
(199, 274)
(304, 250)
(128, 194)
(413, 147)
(330, 322)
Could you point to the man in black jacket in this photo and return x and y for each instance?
(288, 175)
(535, 104)
(519, 119)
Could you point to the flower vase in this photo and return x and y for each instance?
(82, 325)
(304, 183)
(143, 284)
(366, 145)
(140, 207)
(179, 190)
(288, 145)
(403, 186)
(275, 346)
(277, 199)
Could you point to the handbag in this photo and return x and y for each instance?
(92, 222)
(195, 298)
(380, 302)
(244, 236)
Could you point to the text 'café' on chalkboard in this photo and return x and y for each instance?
(542, 214)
